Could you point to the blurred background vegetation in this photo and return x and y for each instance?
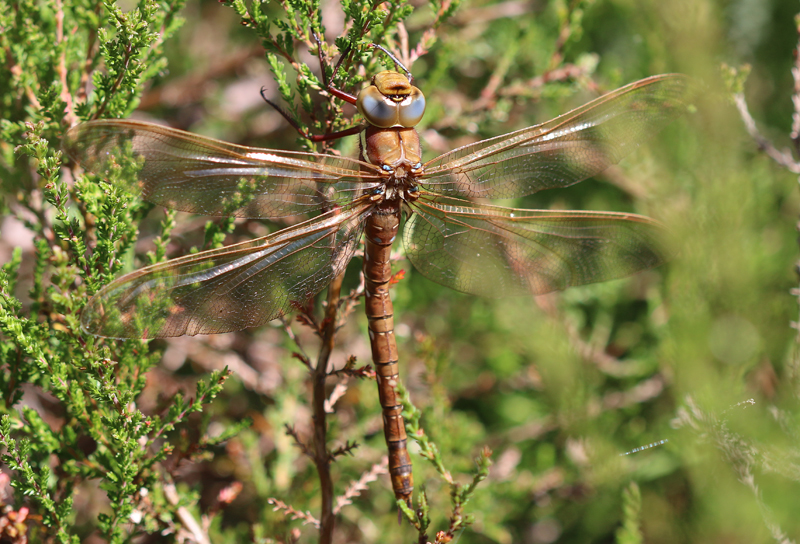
(559, 386)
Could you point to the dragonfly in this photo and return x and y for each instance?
(450, 234)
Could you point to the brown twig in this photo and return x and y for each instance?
(61, 67)
(348, 304)
(91, 56)
(347, 449)
(404, 55)
(186, 517)
(302, 446)
(363, 372)
(300, 354)
(294, 514)
(425, 42)
(357, 486)
(16, 70)
(321, 456)
(564, 34)
(338, 392)
(784, 158)
(494, 89)
(562, 73)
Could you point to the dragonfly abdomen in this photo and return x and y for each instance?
(380, 232)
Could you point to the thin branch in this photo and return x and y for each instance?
(300, 354)
(291, 431)
(186, 517)
(405, 57)
(338, 392)
(494, 88)
(489, 92)
(347, 449)
(348, 304)
(357, 486)
(321, 456)
(114, 86)
(61, 67)
(91, 58)
(562, 73)
(294, 514)
(365, 372)
(564, 34)
(784, 158)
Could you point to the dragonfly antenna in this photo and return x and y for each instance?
(396, 61)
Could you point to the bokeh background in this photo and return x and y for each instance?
(700, 353)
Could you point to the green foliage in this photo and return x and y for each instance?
(630, 532)
(459, 494)
(114, 440)
(100, 434)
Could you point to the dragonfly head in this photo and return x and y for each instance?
(391, 101)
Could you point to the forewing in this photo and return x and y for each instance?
(230, 288)
(565, 150)
(492, 251)
(191, 173)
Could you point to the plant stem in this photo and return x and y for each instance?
(321, 457)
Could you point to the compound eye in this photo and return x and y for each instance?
(412, 108)
(377, 109)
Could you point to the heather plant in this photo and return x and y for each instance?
(274, 435)
(102, 59)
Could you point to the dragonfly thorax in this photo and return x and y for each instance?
(396, 190)
(397, 152)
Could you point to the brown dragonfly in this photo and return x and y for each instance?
(449, 237)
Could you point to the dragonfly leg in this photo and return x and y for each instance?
(328, 83)
(350, 99)
(304, 133)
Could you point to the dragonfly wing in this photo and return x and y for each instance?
(230, 288)
(192, 173)
(492, 251)
(565, 150)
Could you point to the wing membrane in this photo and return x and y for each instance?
(230, 288)
(191, 173)
(563, 151)
(492, 251)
